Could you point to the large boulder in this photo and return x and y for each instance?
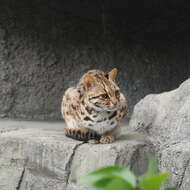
(39, 159)
(165, 118)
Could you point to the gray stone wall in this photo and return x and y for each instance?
(46, 46)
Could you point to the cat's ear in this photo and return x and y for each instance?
(88, 82)
(112, 74)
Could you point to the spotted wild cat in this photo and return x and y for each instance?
(93, 109)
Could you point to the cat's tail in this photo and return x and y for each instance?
(81, 134)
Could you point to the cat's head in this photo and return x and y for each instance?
(101, 90)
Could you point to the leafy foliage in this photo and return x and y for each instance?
(118, 178)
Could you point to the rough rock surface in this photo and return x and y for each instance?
(34, 159)
(165, 118)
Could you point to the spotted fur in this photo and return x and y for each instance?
(93, 109)
(82, 134)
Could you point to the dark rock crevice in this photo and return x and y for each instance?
(69, 164)
(20, 180)
(187, 164)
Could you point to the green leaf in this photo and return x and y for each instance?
(111, 172)
(173, 188)
(128, 176)
(152, 167)
(99, 174)
(119, 184)
(153, 182)
(101, 184)
(107, 170)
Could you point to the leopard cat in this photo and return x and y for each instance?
(94, 108)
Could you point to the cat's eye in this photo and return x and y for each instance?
(105, 96)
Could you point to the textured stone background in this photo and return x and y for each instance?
(45, 46)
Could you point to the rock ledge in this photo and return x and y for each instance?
(36, 159)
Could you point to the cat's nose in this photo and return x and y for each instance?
(114, 101)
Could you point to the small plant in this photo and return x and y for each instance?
(118, 178)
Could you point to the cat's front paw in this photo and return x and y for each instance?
(107, 139)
